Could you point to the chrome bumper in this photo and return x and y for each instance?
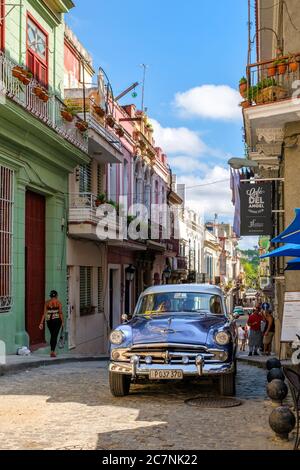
(196, 370)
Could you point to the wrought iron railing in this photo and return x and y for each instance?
(44, 106)
(271, 81)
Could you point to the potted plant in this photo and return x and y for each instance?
(245, 104)
(82, 126)
(272, 69)
(120, 131)
(99, 110)
(44, 96)
(66, 114)
(293, 64)
(101, 199)
(26, 77)
(110, 121)
(281, 66)
(38, 91)
(17, 71)
(243, 85)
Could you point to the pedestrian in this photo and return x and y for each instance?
(53, 316)
(268, 332)
(244, 341)
(255, 336)
(242, 336)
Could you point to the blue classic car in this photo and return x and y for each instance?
(176, 331)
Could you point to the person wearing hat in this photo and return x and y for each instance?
(53, 316)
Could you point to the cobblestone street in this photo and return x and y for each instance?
(70, 407)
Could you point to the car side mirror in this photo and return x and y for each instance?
(126, 317)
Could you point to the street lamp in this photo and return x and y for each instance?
(239, 163)
(130, 273)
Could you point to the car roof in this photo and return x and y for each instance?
(195, 288)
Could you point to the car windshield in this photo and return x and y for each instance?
(179, 302)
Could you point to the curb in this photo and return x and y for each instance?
(15, 368)
(260, 365)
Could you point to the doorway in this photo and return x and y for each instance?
(35, 238)
(114, 273)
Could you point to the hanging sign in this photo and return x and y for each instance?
(291, 321)
(256, 209)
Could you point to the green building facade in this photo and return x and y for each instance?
(38, 150)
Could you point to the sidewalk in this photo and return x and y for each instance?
(259, 361)
(21, 363)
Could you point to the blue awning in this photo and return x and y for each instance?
(291, 250)
(292, 233)
(293, 265)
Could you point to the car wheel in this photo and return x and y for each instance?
(227, 385)
(119, 384)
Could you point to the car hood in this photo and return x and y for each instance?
(186, 329)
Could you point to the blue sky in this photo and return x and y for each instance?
(196, 52)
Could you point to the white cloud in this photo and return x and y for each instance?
(218, 102)
(181, 163)
(180, 140)
(212, 198)
(248, 243)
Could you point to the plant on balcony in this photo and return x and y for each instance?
(17, 71)
(26, 77)
(67, 115)
(243, 85)
(101, 199)
(120, 131)
(99, 110)
(271, 70)
(82, 126)
(44, 96)
(293, 63)
(281, 65)
(110, 121)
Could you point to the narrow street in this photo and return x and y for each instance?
(70, 407)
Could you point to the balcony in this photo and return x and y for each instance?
(45, 107)
(83, 219)
(103, 144)
(271, 96)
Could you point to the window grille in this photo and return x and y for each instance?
(100, 179)
(100, 291)
(85, 178)
(86, 294)
(6, 234)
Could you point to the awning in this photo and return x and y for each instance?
(291, 250)
(292, 233)
(293, 265)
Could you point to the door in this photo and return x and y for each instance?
(34, 266)
(114, 297)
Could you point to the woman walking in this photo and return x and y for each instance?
(255, 336)
(53, 316)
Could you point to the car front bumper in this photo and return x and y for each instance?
(197, 370)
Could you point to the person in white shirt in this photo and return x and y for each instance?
(242, 338)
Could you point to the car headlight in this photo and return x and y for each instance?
(222, 338)
(117, 337)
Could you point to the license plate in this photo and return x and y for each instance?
(166, 375)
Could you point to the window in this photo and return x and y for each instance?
(100, 178)
(37, 51)
(2, 24)
(85, 178)
(86, 291)
(100, 291)
(6, 225)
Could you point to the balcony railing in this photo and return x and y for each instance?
(48, 111)
(271, 81)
